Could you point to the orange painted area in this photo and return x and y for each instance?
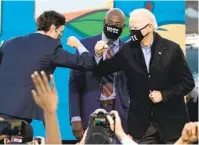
(73, 15)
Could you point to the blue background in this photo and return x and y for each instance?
(18, 19)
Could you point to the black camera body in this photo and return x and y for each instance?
(99, 131)
(100, 119)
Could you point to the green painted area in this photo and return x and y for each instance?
(99, 15)
(125, 32)
(92, 24)
(88, 28)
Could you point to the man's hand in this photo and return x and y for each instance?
(44, 95)
(190, 133)
(83, 138)
(100, 47)
(155, 96)
(72, 41)
(77, 129)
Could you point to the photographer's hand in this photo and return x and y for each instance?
(46, 97)
(6, 140)
(117, 127)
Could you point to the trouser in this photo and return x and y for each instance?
(153, 136)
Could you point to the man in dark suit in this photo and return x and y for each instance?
(158, 79)
(88, 92)
(21, 56)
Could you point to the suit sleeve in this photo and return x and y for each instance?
(62, 58)
(1, 51)
(182, 76)
(1, 56)
(114, 64)
(76, 87)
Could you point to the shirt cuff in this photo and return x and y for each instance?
(127, 141)
(97, 59)
(76, 118)
(81, 49)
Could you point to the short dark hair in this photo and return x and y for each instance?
(48, 18)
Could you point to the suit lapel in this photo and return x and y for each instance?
(138, 62)
(157, 50)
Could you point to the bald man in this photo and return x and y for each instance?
(158, 78)
(87, 91)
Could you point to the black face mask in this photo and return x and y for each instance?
(112, 32)
(136, 35)
(59, 35)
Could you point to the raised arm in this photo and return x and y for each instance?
(63, 58)
(46, 97)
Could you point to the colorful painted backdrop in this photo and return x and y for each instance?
(85, 18)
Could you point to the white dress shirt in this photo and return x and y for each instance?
(147, 54)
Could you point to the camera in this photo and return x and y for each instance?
(99, 131)
(17, 131)
(100, 119)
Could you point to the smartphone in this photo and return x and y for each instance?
(17, 129)
(12, 127)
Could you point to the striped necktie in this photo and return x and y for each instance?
(107, 81)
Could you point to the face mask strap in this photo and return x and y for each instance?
(144, 27)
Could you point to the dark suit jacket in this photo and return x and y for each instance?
(85, 89)
(168, 73)
(20, 57)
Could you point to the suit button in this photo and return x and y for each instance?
(151, 113)
(149, 76)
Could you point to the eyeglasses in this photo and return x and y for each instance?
(136, 28)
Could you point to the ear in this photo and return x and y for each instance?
(52, 28)
(151, 28)
(104, 21)
(123, 26)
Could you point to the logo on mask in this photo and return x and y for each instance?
(134, 38)
(137, 36)
(113, 30)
